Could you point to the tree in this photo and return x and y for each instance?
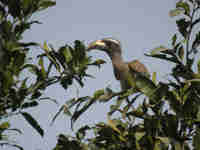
(18, 91)
(170, 113)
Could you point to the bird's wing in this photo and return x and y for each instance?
(137, 66)
(116, 73)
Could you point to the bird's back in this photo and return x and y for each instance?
(137, 66)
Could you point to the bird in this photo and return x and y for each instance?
(124, 72)
(132, 75)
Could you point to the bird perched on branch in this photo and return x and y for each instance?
(125, 72)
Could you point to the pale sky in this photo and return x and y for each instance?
(140, 25)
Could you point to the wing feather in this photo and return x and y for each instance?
(137, 66)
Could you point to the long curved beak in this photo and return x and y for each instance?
(98, 44)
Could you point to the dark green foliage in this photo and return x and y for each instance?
(15, 93)
(183, 27)
(64, 66)
(33, 123)
(169, 114)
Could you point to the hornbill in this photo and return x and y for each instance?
(125, 72)
(132, 74)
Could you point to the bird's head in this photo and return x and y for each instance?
(108, 45)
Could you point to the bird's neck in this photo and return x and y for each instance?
(120, 68)
(117, 59)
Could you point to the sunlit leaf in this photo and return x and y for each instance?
(176, 12)
(157, 50)
(193, 80)
(98, 93)
(112, 124)
(41, 63)
(165, 140)
(47, 51)
(67, 54)
(177, 146)
(139, 135)
(4, 125)
(154, 78)
(185, 6)
(98, 62)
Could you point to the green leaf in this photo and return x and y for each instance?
(193, 80)
(182, 27)
(112, 124)
(7, 80)
(177, 146)
(155, 94)
(98, 62)
(154, 78)
(47, 3)
(19, 59)
(98, 93)
(139, 135)
(50, 99)
(29, 104)
(82, 132)
(14, 8)
(176, 12)
(66, 81)
(157, 50)
(181, 52)
(4, 125)
(67, 54)
(52, 59)
(33, 68)
(78, 112)
(174, 38)
(185, 6)
(164, 57)
(196, 42)
(56, 115)
(198, 66)
(26, 3)
(28, 44)
(33, 123)
(165, 140)
(41, 63)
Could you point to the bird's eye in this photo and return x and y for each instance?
(108, 44)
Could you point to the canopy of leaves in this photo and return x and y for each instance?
(169, 113)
